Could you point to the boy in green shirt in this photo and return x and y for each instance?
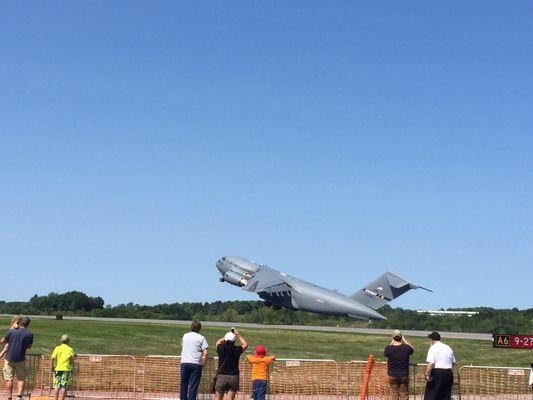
(62, 361)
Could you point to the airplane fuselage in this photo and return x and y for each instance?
(293, 293)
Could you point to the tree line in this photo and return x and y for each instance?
(78, 303)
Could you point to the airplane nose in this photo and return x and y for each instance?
(222, 266)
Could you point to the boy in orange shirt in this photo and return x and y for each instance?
(260, 363)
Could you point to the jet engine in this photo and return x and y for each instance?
(235, 278)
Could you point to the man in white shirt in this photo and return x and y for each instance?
(439, 370)
(194, 350)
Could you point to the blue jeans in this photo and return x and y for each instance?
(259, 389)
(190, 379)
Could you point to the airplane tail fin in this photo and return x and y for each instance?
(384, 289)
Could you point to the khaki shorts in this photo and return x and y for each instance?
(227, 383)
(14, 369)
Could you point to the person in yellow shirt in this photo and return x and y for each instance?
(62, 362)
(260, 361)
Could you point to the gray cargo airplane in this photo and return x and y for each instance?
(280, 290)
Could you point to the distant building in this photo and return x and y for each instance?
(439, 313)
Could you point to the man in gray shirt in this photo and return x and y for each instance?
(193, 358)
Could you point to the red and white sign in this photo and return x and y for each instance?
(292, 363)
(516, 372)
(512, 341)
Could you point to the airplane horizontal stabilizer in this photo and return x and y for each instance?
(384, 289)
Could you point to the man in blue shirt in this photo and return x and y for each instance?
(18, 341)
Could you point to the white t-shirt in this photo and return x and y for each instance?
(441, 355)
(192, 346)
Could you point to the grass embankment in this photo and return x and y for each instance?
(141, 339)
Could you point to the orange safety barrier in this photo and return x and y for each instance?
(378, 386)
(161, 377)
(298, 379)
(417, 381)
(158, 377)
(494, 383)
(99, 376)
(354, 373)
(34, 380)
(289, 379)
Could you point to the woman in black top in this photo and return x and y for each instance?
(397, 354)
(228, 364)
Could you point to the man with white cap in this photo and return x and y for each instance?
(62, 362)
(228, 364)
(397, 354)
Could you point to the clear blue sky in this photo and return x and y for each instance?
(141, 141)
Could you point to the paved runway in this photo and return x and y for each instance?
(370, 331)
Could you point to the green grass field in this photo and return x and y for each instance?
(142, 339)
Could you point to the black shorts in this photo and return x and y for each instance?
(227, 383)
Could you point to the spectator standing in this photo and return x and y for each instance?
(19, 341)
(260, 362)
(194, 352)
(14, 324)
(62, 363)
(397, 354)
(439, 370)
(228, 361)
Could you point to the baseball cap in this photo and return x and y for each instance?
(65, 339)
(260, 351)
(434, 335)
(230, 337)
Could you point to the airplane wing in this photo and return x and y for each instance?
(267, 280)
(384, 289)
